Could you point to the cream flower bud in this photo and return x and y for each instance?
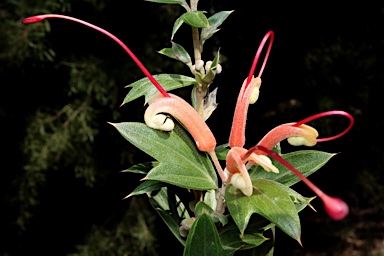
(208, 65)
(219, 68)
(199, 65)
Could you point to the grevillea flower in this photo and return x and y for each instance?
(238, 160)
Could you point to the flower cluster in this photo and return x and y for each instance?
(164, 107)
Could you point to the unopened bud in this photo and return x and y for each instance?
(208, 65)
(199, 65)
(219, 68)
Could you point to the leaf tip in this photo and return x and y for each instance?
(299, 241)
(311, 206)
(128, 196)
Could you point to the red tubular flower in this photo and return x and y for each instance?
(238, 159)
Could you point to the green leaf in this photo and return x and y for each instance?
(146, 187)
(180, 162)
(233, 239)
(181, 2)
(142, 168)
(203, 239)
(222, 151)
(177, 52)
(214, 21)
(196, 19)
(215, 61)
(270, 201)
(171, 210)
(254, 239)
(306, 161)
(300, 201)
(176, 26)
(144, 86)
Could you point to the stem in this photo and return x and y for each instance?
(216, 162)
(39, 18)
(200, 90)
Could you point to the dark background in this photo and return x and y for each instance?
(61, 186)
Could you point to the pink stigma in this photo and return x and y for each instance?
(270, 34)
(38, 18)
(336, 208)
(33, 19)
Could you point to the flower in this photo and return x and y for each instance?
(239, 160)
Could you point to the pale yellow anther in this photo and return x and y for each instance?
(160, 122)
(264, 162)
(309, 140)
(255, 83)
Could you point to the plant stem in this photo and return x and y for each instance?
(200, 90)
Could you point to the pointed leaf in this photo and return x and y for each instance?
(181, 2)
(144, 86)
(176, 26)
(180, 162)
(306, 161)
(146, 187)
(203, 239)
(196, 19)
(214, 21)
(215, 60)
(268, 200)
(177, 52)
(142, 168)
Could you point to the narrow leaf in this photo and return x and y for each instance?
(176, 26)
(146, 187)
(180, 162)
(144, 86)
(214, 21)
(142, 168)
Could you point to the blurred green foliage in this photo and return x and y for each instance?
(61, 187)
